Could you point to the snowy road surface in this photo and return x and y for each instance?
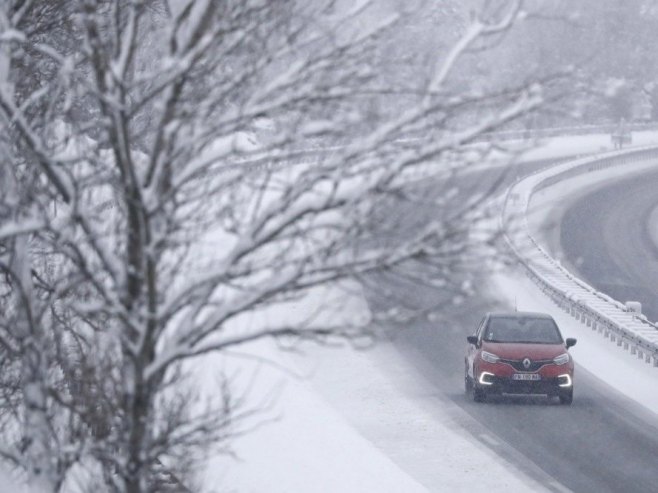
(603, 442)
(606, 237)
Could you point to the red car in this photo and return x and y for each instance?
(519, 353)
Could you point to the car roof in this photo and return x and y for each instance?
(519, 315)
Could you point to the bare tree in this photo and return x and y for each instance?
(168, 189)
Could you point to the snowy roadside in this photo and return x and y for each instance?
(296, 442)
(565, 147)
(307, 447)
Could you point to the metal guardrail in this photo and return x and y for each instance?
(607, 128)
(597, 310)
(545, 132)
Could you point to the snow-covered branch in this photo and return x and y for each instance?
(183, 165)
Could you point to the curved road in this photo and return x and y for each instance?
(605, 235)
(603, 442)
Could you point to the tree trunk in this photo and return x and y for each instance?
(136, 407)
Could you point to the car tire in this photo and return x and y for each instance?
(479, 395)
(566, 397)
(472, 391)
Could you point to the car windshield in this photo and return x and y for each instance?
(523, 330)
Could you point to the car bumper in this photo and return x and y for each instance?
(504, 385)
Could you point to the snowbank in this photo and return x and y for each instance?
(565, 146)
(308, 448)
(301, 444)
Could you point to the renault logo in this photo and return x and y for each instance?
(526, 363)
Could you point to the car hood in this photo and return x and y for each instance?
(508, 350)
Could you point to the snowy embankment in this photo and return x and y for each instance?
(354, 421)
(525, 151)
(559, 147)
(295, 442)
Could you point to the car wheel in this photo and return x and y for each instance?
(479, 395)
(566, 397)
(468, 384)
(471, 390)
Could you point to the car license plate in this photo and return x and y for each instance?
(526, 376)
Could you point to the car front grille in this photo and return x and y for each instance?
(549, 386)
(535, 365)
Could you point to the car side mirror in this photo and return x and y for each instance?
(472, 340)
(571, 342)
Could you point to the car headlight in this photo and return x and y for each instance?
(489, 357)
(563, 359)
